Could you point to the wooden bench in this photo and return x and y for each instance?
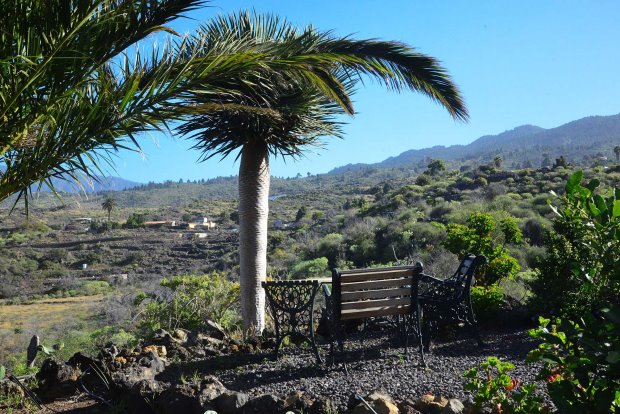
(370, 293)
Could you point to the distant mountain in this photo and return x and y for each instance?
(85, 185)
(581, 142)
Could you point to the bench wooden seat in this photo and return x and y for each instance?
(370, 293)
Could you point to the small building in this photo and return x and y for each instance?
(79, 224)
(204, 223)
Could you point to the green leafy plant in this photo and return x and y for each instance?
(192, 299)
(487, 301)
(582, 267)
(581, 361)
(494, 388)
(310, 268)
(477, 237)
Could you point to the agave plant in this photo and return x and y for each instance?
(284, 113)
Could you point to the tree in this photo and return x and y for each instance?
(435, 167)
(498, 161)
(60, 97)
(477, 237)
(74, 89)
(581, 268)
(108, 205)
(561, 162)
(293, 112)
(301, 213)
(617, 152)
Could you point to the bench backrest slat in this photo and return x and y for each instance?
(375, 294)
(365, 304)
(376, 284)
(363, 276)
(363, 293)
(375, 312)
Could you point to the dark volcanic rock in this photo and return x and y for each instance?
(179, 399)
(146, 368)
(57, 380)
(264, 404)
(214, 329)
(231, 402)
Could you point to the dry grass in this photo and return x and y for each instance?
(49, 311)
(50, 319)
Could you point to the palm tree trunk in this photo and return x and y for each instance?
(253, 211)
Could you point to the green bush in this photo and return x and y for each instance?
(423, 180)
(104, 226)
(487, 301)
(92, 288)
(478, 237)
(192, 300)
(582, 267)
(581, 361)
(134, 221)
(332, 247)
(495, 389)
(310, 268)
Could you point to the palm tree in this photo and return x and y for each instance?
(108, 205)
(71, 95)
(63, 107)
(617, 152)
(498, 161)
(292, 110)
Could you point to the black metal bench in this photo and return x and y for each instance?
(449, 300)
(370, 293)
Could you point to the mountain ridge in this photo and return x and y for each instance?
(580, 141)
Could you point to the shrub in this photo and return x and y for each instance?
(134, 221)
(439, 211)
(427, 235)
(310, 268)
(495, 389)
(477, 237)
(487, 301)
(192, 300)
(581, 268)
(94, 287)
(510, 229)
(581, 361)
(331, 246)
(104, 226)
(423, 180)
(534, 229)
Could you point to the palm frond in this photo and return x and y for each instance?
(306, 84)
(57, 99)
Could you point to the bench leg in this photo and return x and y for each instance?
(470, 319)
(279, 340)
(418, 320)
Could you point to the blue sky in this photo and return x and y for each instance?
(517, 62)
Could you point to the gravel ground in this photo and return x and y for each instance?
(374, 362)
